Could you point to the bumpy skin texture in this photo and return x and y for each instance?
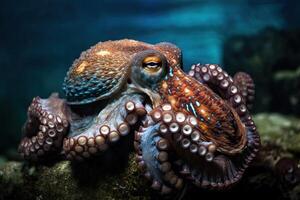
(202, 135)
(192, 127)
(101, 71)
(45, 128)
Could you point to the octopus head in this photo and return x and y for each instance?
(149, 68)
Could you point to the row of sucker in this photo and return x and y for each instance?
(216, 77)
(182, 129)
(168, 180)
(187, 138)
(44, 129)
(246, 86)
(99, 136)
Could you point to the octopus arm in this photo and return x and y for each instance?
(198, 160)
(223, 84)
(239, 91)
(90, 135)
(215, 118)
(230, 90)
(45, 128)
(154, 159)
(246, 85)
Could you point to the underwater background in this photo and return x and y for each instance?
(39, 40)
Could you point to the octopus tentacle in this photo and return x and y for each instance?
(179, 132)
(92, 135)
(45, 128)
(238, 91)
(199, 161)
(217, 121)
(218, 80)
(182, 130)
(223, 84)
(154, 159)
(246, 86)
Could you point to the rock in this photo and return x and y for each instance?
(275, 173)
(63, 180)
(12, 181)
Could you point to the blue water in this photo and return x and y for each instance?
(40, 39)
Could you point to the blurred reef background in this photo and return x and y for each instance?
(40, 39)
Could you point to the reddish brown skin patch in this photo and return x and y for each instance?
(218, 117)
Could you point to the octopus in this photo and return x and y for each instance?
(190, 127)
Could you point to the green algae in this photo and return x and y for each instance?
(281, 130)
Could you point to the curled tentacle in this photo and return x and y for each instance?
(154, 159)
(223, 84)
(45, 128)
(91, 135)
(182, 130)
(238, 91)
(193, 158)
(246, 85)
(217, 121)
(226, 124)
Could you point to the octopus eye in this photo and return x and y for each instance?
(152, 64)
(148, 68)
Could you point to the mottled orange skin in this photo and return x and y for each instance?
(108, 64)
(217, 121)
